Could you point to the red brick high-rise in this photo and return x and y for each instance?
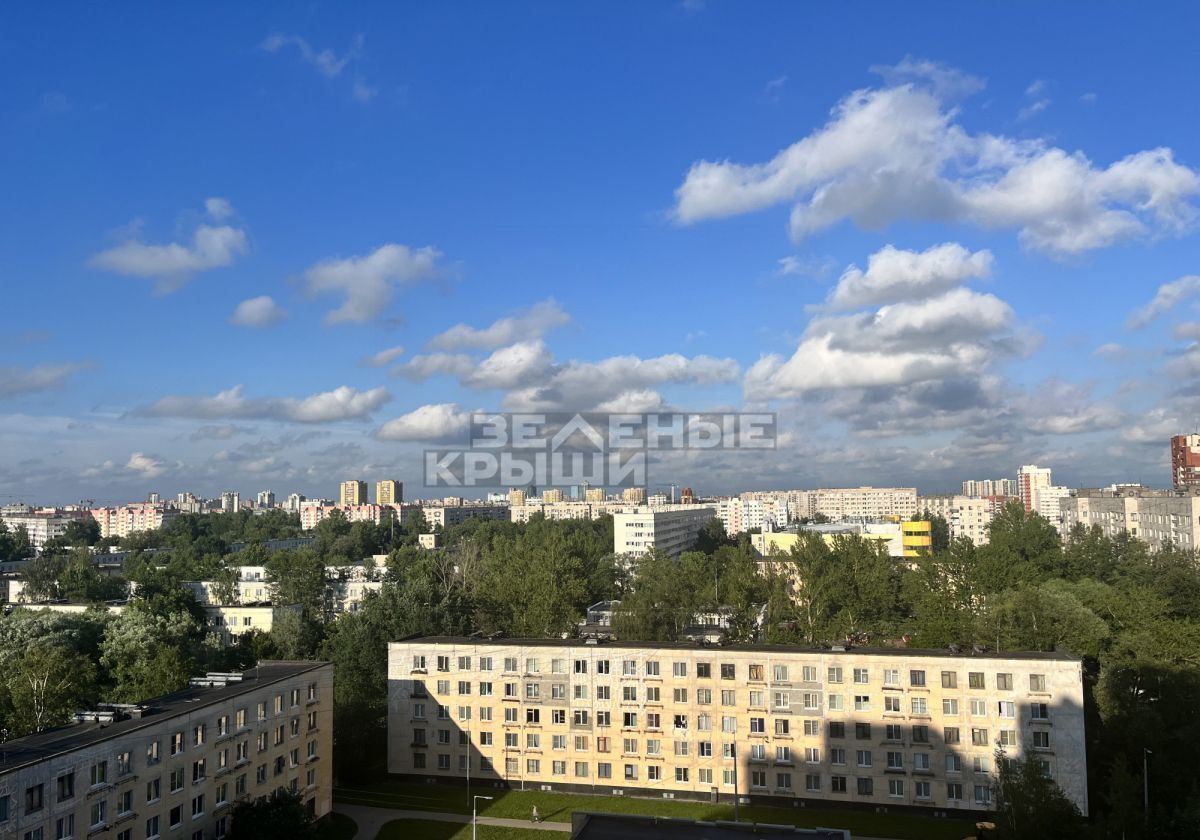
(1185, 461)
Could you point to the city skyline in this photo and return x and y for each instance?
(311, 242)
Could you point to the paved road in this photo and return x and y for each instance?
(370, 820)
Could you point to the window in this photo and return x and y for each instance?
(66, 786)
(835, 675)
(654, 773)
(629, 668)
(629, 720)
(151, 828)
(581, 666)
(758, 752)
(783, 700)
(865, 787)
(443, 663)
(681, 774)
(758, 778)
(533, 765)
(679, 669)
(64, 827)
(954, 791)
(704, 670)
(894, 732)
(197, 805)
(756, 673)
(983, 795)
(603, 692)
(631, 772)
(861, 676)
(812, 755)
(653, 694)
(1004, 682)
(921, 762)
(920, 706)
(837, 729)
(176, 779)
(533, 715)
(680, 695)
(704, 696)
(975, 679)
(1041, 740)
(916, 679)
(153, 790)
(862, 703)
(979, 737)
(653, 746)
(727, 671)
(920, 734)
(464, 687)
(533, 740)
(758, 725)
(175, 818)
(1039, 711)
(812, 782)
(177, 743)
(949, 679)
(558, 691)
(581, 717)
(1007, 709)
(510, 664)
(728, 697)
(895, 760)
(949, 706)
(896, 787)
(978, 708)
(891, 676)
(862, 731)
(1037, 682)
(780, 673)
(581, 769)
(863, 758)
(418, 663)
(783, 781)
(629, 693)
(728, 724)
(837, 784)
(602, 666)
(835, 702)
(1008, 737)
(783, 727)
(681, 721)
(652, 668)
(197, 771)
(953, 763)
(809, 673)
(950, 735)
(199, 734)
(604, 718)
(922, 790)
(152, 754)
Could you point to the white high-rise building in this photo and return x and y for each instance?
(1030, 479)
(266, 499)
(672, 529)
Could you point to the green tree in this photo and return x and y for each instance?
(294, 635)
(298, 577)
(1028, 804)
(281, 815)
(148, 653)
(41, 575)
(46, 684)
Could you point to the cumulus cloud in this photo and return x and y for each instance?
(1168, 296)
(895, 275)
(1110, 350)
(535, 322)
(172, 264)
(261, 311)
(435, 364)
(222, 431)
(1187, 331)
(958, 332)
(344, 403)
(367, 282)
(579, 386)
(947, 82)
(1063, 408)
(443, 421)
(512, 367)
(15, 381)
(898, 153)
(146, 466)
(384, 357)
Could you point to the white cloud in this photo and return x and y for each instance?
(1168, 296)
(435, 364)
(173, 263)
(261, 311)
(1111, 350)
(947, 82)
(535, 322)
(384, 357)
(814, 267)
(894, 275)
(581, 386)
(328, 63)
(443, 421)
(898, 153)
(367, 282)
(1061, 408)
(146, 466)
(1187, 331)
(512, 367)
(952, 335)
(1089, 98)
(363, 92)
(641, 401)
(15, 381)
(344, 403)
(1040, 102)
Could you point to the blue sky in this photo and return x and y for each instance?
(213, 218)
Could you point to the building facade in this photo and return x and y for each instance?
(968, 516)
(1185, 461)
(1156, 517)
(42, 524)
(839, 504)
(128, 519)
(173, 766)
(389, 492)
(986, 487)
(883, 728)
(352, 492)
(672, 529)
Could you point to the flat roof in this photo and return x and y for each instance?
(21, 752)
(965, 654)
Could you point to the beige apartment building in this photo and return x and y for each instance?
(967, 516)
(352, 492)
(865, 502)
(880, 727)
(173, 766)
(1156, 517)
(672, 529)
(389, 492)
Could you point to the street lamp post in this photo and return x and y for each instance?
(474, 802)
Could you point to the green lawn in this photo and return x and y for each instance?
(430, 830)
(337, 827)
(557, 807)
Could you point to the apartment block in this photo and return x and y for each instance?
(1156, 517)
(1185, 461)
(173, 766)
(352, 492)
(866, 503)
(128, 519)
(990, 487)
(389, 492)
(671, 528)
(738, 515)
(42, 524)
(883, 728)
(967, 516)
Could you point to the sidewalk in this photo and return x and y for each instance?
(370, 819)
